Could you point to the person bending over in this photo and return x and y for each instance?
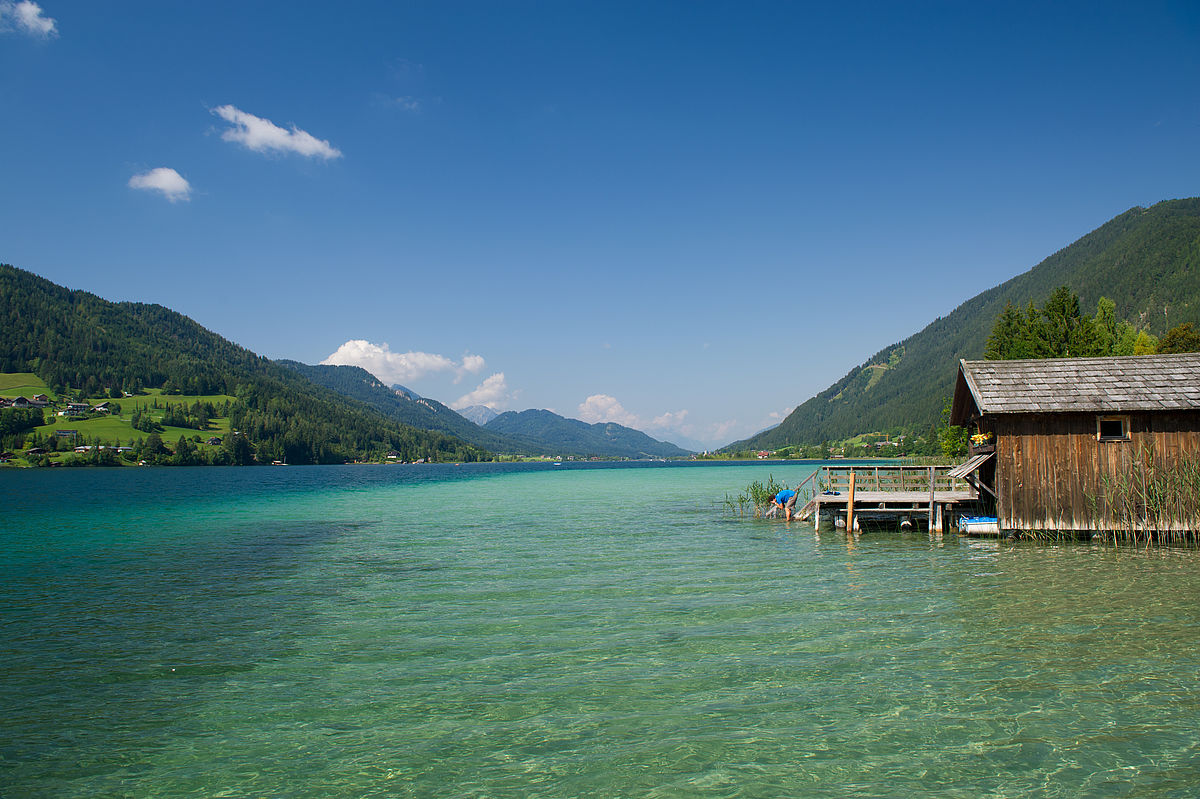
(785, 499)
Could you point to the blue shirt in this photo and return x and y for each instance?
(783, 496)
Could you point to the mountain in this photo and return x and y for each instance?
(1147, 261)
(405, 406)
(573, 437)
(76, 339)
(479, 414)
(526, 433)
(685, 442)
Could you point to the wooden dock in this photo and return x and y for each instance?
(916, 493)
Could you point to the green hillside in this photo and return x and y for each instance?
(76, 340)
(1147, 261)
(573, 437)
(410, 409)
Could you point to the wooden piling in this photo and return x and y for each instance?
(932, 495)
(850, 506)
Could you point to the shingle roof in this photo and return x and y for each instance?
(1061, 385)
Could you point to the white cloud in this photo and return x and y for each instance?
(665, 426)
(163, 179)
(492, 392)
(671, 420)
(779, 416)
(606, 408)
(471, 364)
(393, 367)
(411, 104)
(719, 431)
(26, 17)
(263, 135)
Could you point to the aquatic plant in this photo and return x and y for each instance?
(1153, 500)
(737, 505)
(756, 495)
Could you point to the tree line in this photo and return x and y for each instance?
(74, 340)
(1059, 330)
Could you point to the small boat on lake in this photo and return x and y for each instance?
(978, 525)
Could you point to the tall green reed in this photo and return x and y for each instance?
(1151, 500)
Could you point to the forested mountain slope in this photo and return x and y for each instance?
(1147, 261)
(78, 340)
(409, 408)
(572, 437)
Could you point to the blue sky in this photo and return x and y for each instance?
(687, 217)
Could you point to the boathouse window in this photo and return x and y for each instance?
(1112, 428)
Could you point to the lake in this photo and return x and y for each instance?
(583, 630)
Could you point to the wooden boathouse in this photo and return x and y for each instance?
(1060, 439)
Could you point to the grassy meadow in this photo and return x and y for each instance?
(22, 384)
(115, 429)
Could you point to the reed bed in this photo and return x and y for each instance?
(756, 498)
(1153, 500)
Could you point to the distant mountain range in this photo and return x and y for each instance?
(100, 348)
(527, 433)
(287, 410)
(571, 436)
(1147, 261)
(406, 406)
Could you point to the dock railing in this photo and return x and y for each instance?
(909, 490)
(889, 478)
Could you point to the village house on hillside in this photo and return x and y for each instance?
(36, 401)
(1058, 437)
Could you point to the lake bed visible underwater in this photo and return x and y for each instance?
(584, 630)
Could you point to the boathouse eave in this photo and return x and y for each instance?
(965, 407)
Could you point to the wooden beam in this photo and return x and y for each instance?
(932, 496)
(850, 506)
(978, 484)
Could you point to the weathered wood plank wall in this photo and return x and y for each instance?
(1048, 465)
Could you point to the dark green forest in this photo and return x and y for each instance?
(1059, 330)
(1146, 261)
(77, 341)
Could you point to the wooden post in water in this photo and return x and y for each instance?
(932, 488)
(850, 506)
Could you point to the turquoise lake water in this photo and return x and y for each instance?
(538, 631)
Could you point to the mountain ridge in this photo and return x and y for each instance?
(407, 407)
(479, 414)
(537, 433)
(1143, 260)
(74, 338)
(575, 437)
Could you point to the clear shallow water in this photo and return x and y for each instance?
(538, 631)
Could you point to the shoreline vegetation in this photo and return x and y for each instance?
(156, 428)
